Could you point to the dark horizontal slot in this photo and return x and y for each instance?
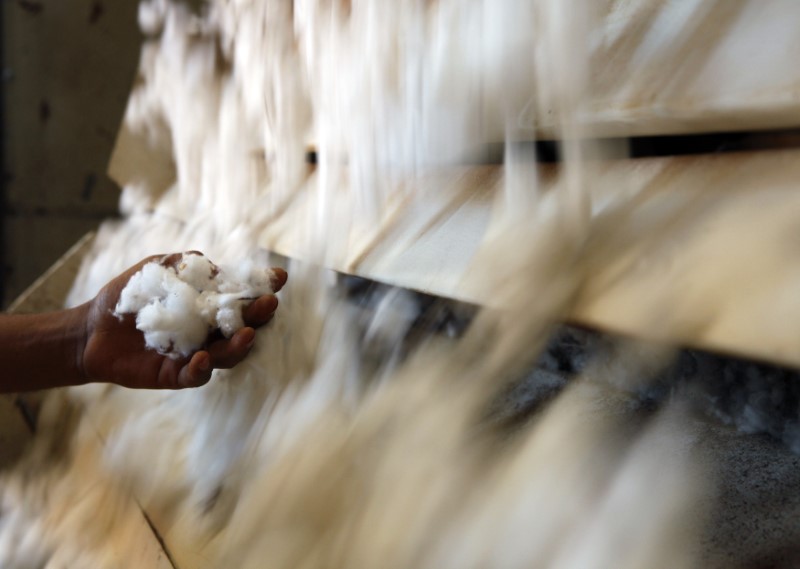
(713, 143)
(549, 151)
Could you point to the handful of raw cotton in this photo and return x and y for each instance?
(178, 304)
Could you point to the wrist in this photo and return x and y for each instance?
(76, 337)
(40, 351)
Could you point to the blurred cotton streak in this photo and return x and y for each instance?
(309, 454)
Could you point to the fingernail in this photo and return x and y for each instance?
(249, 337)
(279, 277)
(204, 363)
(271, 303)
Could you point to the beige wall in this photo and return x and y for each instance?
(68, 68)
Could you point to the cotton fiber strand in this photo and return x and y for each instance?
(178, 305)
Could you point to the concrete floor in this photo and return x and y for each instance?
(67, 72)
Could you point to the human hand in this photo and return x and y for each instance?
(114, 350)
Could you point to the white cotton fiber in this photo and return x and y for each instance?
(176, 306)
(198, 271)
(317, 450)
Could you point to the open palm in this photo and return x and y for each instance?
(115, 350)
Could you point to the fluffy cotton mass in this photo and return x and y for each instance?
(178, 304)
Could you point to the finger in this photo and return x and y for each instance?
(260, 311)
(227, 353)
(279, 278)
(169, 371)
(197, 372)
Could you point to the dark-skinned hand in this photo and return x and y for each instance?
(115, 350)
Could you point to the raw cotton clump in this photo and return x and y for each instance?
(177, 305)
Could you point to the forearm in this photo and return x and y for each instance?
(39, 351)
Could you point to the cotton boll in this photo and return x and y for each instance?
(170, 333)
(261, 280)
(245, 271)
(198, 271)
(207, 305)
(232, 296)
(191, 329)
(153, 321)
(234, 274)
(246, 278)
(229, 299)
(229, 310)
(230, 320)
(173, 325)
(150, 282)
